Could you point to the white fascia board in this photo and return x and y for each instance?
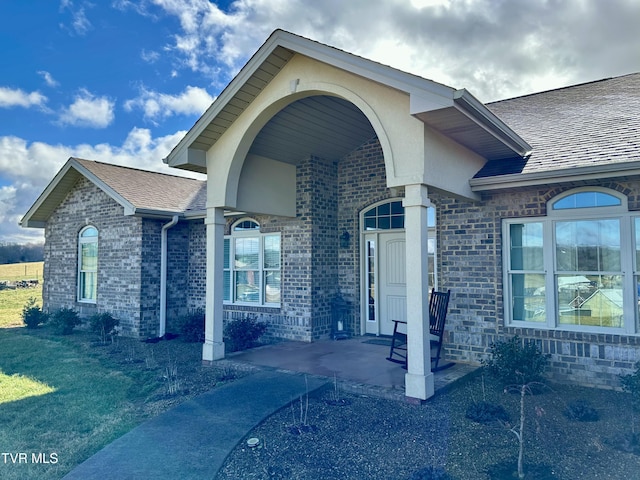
(151, 213)
(78, 167)
(181, 149)
(25, 221)
(469, 105)
(574, 174)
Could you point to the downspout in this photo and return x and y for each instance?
(163, 275)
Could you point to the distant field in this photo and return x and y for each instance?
(21, 271)
(12, 301)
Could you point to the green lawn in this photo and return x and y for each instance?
(60, 404)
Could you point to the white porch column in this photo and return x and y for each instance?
(213, 348)
(419, 378)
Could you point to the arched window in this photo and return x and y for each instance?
(88, 264)
(251, 265)
(570, 270)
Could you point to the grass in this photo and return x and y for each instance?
(12, 301)
(58, 400)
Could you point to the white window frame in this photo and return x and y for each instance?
(82, 240)
(372, 234)
(627, 260)
(262, 269)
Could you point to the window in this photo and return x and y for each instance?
(567, 270)
(88, 264)
(388, 216)
(251, 265)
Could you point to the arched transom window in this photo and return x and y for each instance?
(252, 267)
(577, 268)
(88, 264)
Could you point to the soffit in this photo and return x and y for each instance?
(247, 92)
(459, 127)
(323, 126)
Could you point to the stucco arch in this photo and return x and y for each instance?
(239, 179)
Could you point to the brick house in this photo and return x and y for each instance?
(330, 176)
(106, 228)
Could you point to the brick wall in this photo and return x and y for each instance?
(128, 262)
(361, 181)
(119, 247)
(470, 243)
(197, 269)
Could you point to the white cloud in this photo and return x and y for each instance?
(48, 78)
(494, 49)
(29, 167)
(80, 24)
(149, 56)
(155, 105)
(10, 97)
(87, 110)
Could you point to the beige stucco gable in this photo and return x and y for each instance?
(414, 152)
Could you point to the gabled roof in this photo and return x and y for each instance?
(456, 113)
(591, 130)
(140, 192)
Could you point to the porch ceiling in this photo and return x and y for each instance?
(323, 126)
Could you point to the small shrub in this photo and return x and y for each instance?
(516, 362)
(519, 365)
(581, 411)
(32, 314)
(631, 383)
(191, 326)
(64, 320)
(104, 325)
(485, 412)
(243, 333)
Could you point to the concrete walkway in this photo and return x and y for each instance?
(192, 440)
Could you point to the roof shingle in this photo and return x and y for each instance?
(596, 123)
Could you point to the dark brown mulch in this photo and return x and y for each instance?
(371, 438)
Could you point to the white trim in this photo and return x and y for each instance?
(563, 175)
(627, 264)
(366, 235)
(81, 242)
(255, 233)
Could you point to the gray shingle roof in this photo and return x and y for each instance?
(151, 190)
(591, 124)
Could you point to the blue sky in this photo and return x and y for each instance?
(122, 81)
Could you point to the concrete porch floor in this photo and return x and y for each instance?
(358, 364)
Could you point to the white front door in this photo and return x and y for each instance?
(392, 293)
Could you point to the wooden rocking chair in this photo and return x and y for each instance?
(438, 305)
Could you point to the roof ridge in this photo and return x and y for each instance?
(125, 167)
(566, 87)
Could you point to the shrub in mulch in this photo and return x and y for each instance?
(626, 442)
(302, 429)
(243, 333)
(64, 320)
(581, 411)
(104, 325)
(191, 326)
(32, 314)
(485, 412)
